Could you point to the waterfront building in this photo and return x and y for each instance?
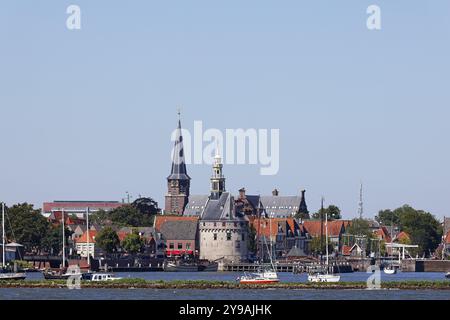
(277, 206)
(223, 230)
(180, 238)
(166, 235)
(280, 236)
(274, 206)
(178, 182)
(85, 247)
(336, 231)
(77, 208)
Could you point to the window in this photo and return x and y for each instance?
(224, 224)
(215, 236)
(215, 224)
(238, 244)
(243, 237)
(188, 246)
(180, 246)
(228, 236)
(171, 246)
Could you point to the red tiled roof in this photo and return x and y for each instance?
(335, 227)
(383, 234)
(346, 250)
(160, 220)
(83, 238)
(269, 227)
(447, 238)
(402, 236)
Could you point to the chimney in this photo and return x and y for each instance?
(242, 193)
(275, 193)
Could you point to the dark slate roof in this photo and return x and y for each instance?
(218, 209)
(281, 206)
(179, 230)
(196, 205)
(179, 171)
(296, 252)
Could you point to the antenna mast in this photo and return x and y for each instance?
(361, 203)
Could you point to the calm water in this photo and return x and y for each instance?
(282, 294)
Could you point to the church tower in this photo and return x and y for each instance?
(217, 178)
(179, 181)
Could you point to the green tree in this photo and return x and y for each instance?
(319, 247)
(108, 240)
(146, 206)
(360, 227)
(129, 216)
(27, 226)
(133, 243)
(52, 241)
(333, 212)
(422, 227)
(388, 218)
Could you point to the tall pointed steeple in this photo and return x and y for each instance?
(178, 163)
(178, 181)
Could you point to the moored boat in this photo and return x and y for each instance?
(390, 270)
(447, 275)
(325, 276)
(11, 276)
(100, 277)
(181, 267)
(259, 278)
(7, 274)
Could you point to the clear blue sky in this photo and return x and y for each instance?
(88, 114)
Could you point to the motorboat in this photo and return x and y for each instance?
(447, 275)
(390, 270)
(323, 277)
(100, 277)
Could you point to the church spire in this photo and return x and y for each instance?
(178, 181)
(178, 171)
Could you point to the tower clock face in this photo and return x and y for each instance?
(174, 184)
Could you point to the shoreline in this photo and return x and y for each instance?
(217, 285)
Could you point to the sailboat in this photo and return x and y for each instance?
(266, 274)
(325, 276)
(390, 269)
(6, 274)
(61, 273)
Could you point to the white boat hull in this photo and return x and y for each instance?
(12, 276)
(330, 278)
(390, 271)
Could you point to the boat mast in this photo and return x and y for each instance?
(63, 240)
(87, 234)
(3, 235)
(326, 238)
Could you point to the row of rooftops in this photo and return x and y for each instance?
(273, 206)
